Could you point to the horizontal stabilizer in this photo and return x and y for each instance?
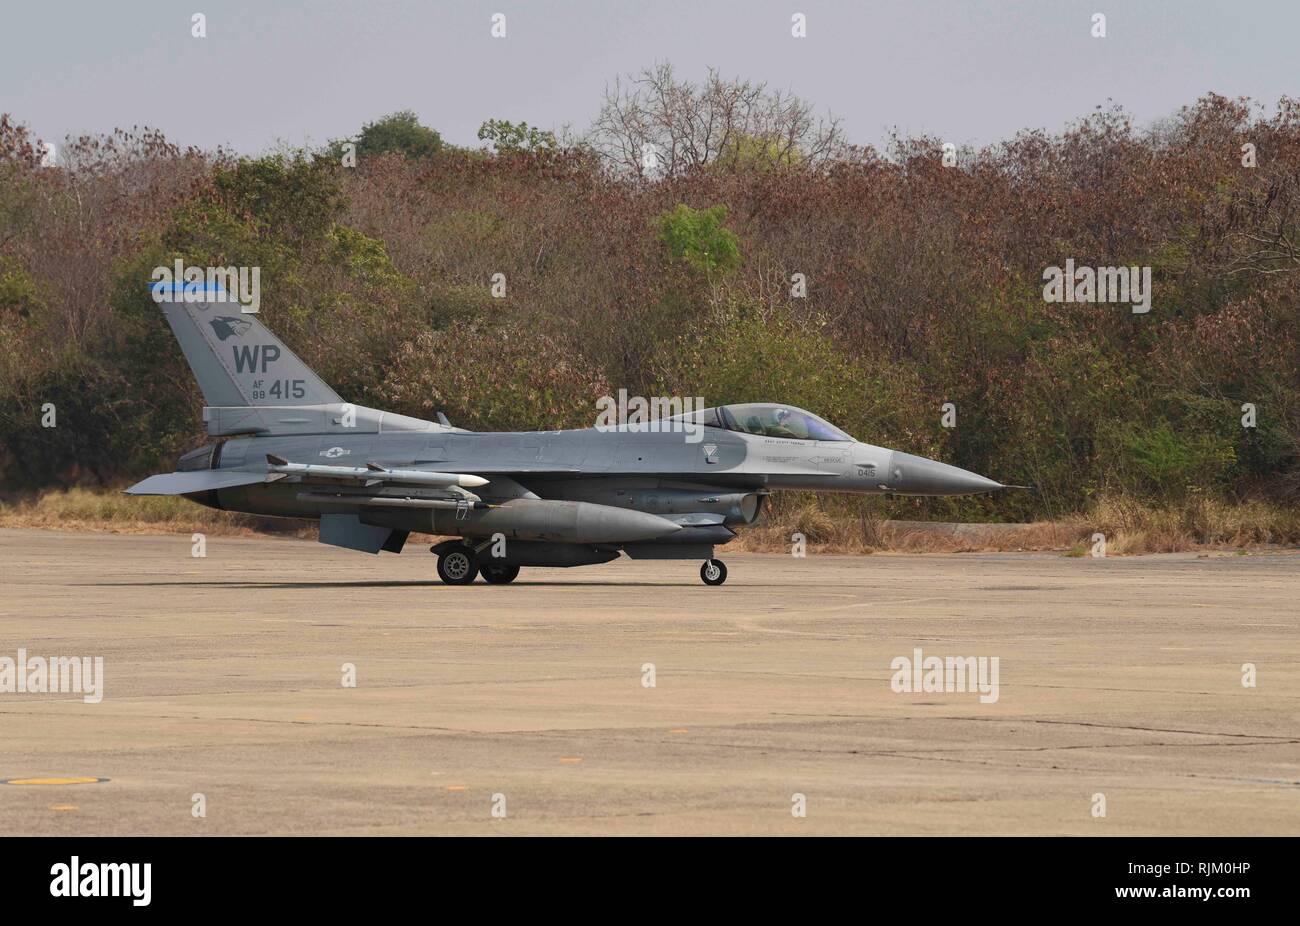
(189, 483)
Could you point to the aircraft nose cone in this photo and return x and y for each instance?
(913, 475)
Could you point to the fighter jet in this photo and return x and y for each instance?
(671, 489)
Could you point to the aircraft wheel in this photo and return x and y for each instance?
(500, 575)
(456, 566)
(714, 572)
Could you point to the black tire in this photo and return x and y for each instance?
(456, 566)
(713, 572)
(500, 575)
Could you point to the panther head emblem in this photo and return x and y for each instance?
(227, 326)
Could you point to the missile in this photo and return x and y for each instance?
(388, 501)
(371, 474)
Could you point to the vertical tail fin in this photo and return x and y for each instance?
(235, 359)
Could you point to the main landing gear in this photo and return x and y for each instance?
(713, 572)
(458, 564)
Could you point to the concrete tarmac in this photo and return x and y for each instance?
(1119, 683)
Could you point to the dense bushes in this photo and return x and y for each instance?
(923, 287)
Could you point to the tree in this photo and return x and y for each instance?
(19, 159)
(692, 126)
(19, 295)
(509, 137)
(400, 131)
(699, 238)
(747, 152)
(293, 197)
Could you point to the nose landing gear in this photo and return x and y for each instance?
(713, 572)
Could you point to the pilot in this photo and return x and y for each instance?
(784, 425)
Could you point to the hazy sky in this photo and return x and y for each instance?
(306, 72)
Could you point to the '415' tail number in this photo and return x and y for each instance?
(280, 389)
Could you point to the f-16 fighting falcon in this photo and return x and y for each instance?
(672, 489)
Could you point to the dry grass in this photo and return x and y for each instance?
(826, 534)
(1134, 527)
(111, 511)
(1130, 527)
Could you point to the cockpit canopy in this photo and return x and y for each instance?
(768, 421)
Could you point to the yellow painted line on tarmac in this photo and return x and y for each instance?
(83, 780)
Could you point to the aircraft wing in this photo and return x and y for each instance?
(198, 481)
